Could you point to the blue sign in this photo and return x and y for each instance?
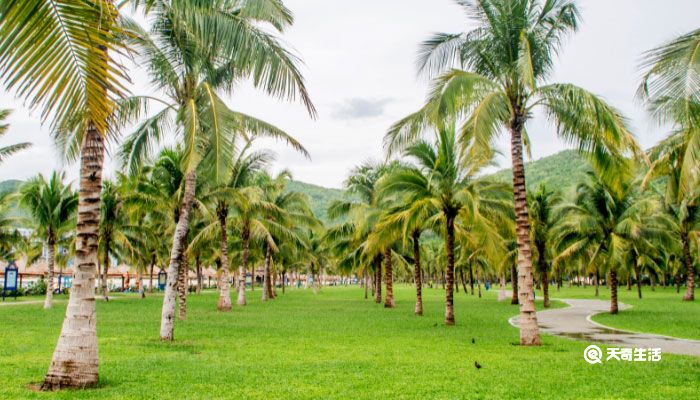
(162, 279)
(11, 275)
(67, 282)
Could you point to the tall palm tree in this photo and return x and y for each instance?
(7, 151)
(56, 54)
(443, 181)
(542, 205)
(113, 227)
(503, 64)
(197, 52)
(52, 205)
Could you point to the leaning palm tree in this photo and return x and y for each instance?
(7, 151)
(52, 205)
(196, 52)
(502, 67)
(56, 55)
(443, 181)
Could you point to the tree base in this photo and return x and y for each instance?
(54, 382)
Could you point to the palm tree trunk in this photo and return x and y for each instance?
(558, 278)
(198, 266)
(450, 270)
(690, 282)
(366, 283)
(463, 279)
(284, 278)
(478, 281)
(224, 303)
(613, 291)
(105, 269)
(243, 269)
(529, 331)
(502, 288)
(629, 282)
(377, 280)
(388, 276)
(139, 281)
(75, 361)
(167, 322)
(545, 288)
(182, 286)
(267, 286)
(543, 267)
(597, 282)
(514, 283)
(417, 273)
(638, 274)
(150, 278)
(48, 302)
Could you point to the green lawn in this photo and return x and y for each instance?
(330, 345)
(660, 311)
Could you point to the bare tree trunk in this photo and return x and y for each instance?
(545, 288)
(514, 283)
(690, 282)
(75, 361)
(417, 273)
(105, 269)
(638, 273)
(388, 276)
(48, 302)
(464, 281)
(243, 269)
(544, 269)
(267, 279)
(478, 281)
(377, 280)
(629, 282)
(597, 282)
(150, 278)
(450, 270)
(502, 288)
(613, 291)
(366, 283)
(558, 278)
(183, 283)
(284, 278)
(167, 323)
(198, 267)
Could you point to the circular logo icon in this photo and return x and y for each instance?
(593, 354)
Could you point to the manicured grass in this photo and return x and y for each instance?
(330, 345)
(660, 311)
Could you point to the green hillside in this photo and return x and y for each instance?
(321, 197)
(560, 171)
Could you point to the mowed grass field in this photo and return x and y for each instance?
(332, 345)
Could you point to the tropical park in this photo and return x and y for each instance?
(214, 199)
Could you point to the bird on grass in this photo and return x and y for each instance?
(477, 365)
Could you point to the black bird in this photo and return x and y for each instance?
(473, 341)
(477, 365)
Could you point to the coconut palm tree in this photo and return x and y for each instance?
(7, 151)
(52, 205)
(113, 224)
(502, 66)
(542, 205)
(56, 55)
(443, 181)
(196, 53)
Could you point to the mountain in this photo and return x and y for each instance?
(560, 171)
(320, 197)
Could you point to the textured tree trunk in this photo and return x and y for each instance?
(389, 277)
(638, 274)
(558, 278)
(243, 269)
(690, 271)
(613, 291)
(478, 281)
(545, 288)
(198, 267)
(48, 302)
(167, 323)
(597, 282)
(150, 277)
(629, 282)
(284, 278)
(514, 284)
(529, 331)
(366, 283)
(105, 269)
(450, 269)
(377, 280)
(75, 361)
(182, 286)
(464, 281)
(471, 277)
(502, 288)
(267, 279)
(417, 273)
(224, 303)
(544, 269)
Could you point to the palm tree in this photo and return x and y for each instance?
(56, 55)
(52, 205)
(605, 225)
(197, 52)
(542, 205)
(7, 151)
(504, 63)
(443, 182)
(114, 225)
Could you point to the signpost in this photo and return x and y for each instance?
(11, 275)
(162, 279)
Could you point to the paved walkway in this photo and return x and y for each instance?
(575, 322)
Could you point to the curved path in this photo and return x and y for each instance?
(575, 322)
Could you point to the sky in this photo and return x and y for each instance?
(359, 65)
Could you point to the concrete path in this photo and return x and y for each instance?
(575, 322)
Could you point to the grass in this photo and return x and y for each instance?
(330, 345)
(660, 311)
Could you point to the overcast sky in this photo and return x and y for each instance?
(359, 63)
